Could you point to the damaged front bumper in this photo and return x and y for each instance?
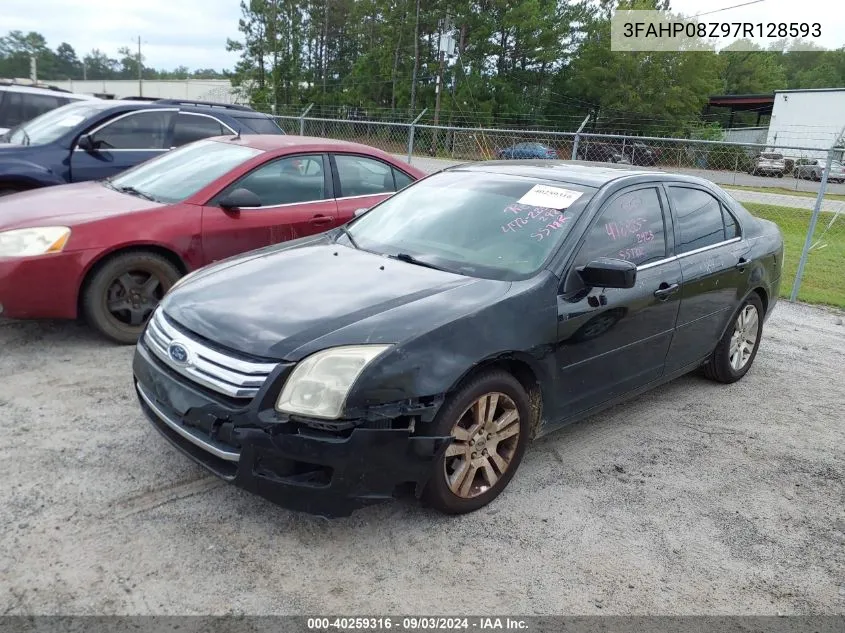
(300, 468)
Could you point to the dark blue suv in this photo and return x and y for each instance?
(91, 140)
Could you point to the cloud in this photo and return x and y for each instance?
(173, 32)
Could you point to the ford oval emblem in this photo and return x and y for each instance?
(178, 353)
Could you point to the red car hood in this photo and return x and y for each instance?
(67, 205)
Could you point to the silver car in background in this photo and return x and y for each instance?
(813, 169)
(768, 164)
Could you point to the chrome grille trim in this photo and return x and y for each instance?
(207, 367)
(216, 449)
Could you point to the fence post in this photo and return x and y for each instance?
(736, 166)
(302, 119)
(577, 140)
(812, 228)
(411, 134)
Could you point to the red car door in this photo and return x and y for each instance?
(363, 181)
(295, 195)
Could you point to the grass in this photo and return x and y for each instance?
(786, 192)
(824, 273)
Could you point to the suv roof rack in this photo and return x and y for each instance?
(28, 83)
(140, 99)
(212, 104)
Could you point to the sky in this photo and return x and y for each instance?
(827, 13)
(193, 33)
(173, 33)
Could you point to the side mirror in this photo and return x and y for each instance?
(609, 273)
(239, 199)
(86, 143)
(360, 212)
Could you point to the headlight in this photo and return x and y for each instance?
(319, 384)
(37, 241)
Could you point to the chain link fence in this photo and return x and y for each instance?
(802, 189)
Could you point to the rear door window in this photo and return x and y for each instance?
(700, 219)
(188, 128)
(362, 176)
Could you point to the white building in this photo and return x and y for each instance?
(200, 89)
(807, 118)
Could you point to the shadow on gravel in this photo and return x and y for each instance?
(14, 334)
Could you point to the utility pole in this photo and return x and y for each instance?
(416, 59)
(84, 71)
(455, 84)
(33, 69)
(140, 71)
(438, 92)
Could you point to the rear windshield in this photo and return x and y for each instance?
(261, 125)
(772, 156)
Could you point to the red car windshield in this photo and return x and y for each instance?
(177, 175)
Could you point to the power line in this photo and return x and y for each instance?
(736, 6)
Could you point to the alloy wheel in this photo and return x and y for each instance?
(486, 436)
(132, 297)
(744, 337)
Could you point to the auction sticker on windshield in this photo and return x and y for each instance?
(550, 197)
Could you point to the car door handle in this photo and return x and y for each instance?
(664, 291)
(321, 220)
(741, 264)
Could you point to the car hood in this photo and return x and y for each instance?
(288, 302)
(66, 205)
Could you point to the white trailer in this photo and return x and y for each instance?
(807, 118)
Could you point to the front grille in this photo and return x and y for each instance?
(219, 372)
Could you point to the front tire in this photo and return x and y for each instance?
(736, 351)
(122, 294)
(489, 421)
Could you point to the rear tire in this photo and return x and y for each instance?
(122, 294)
(736, 351)
(489, 421)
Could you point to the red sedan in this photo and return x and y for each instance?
(110, 250)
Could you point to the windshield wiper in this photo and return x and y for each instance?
(410, 259)
(135, 192)
(345, 231)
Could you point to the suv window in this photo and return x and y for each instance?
(629, 227)
(286, 181)
(360, 176)
(259, 125)
(139, 130)
(195, 127)
(701, 219)
(19, 107)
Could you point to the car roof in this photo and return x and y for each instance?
(53, 92)
(272, 142)
(130, 104)
(574, 172)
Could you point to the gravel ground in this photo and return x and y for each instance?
(696, 498)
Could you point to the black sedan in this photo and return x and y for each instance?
(424, 345)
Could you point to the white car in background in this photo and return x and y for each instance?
(20, 102)
(768, 164)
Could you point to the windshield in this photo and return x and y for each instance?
(480, 224)
(179, 174)
(53, 124)
(772, 156)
